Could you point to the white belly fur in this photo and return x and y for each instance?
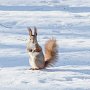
(32, 58)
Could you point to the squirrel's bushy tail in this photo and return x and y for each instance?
(51, 52)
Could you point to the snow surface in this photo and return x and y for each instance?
(66, 20)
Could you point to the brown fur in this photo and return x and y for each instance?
(51, 52)
(38, 48)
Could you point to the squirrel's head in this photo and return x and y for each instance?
(33, 37)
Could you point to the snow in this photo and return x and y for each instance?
(67, 21)
(76, 3)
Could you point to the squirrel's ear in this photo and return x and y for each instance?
(35, 31)
(30, 31)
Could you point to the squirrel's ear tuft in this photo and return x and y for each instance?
(35, 31)
(30, 31)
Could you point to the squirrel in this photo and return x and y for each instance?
(37, 59)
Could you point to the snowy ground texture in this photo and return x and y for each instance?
(66, 20)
